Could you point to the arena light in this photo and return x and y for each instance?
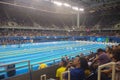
(58, 3)
(66, 4)
(46, 0)
(75, 8)
(81, 9)
(36, 0)
(73, 28)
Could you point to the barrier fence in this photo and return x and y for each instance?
(66, 72)
(4, 70)
(30, 66)
(43, 77)
(105, 65)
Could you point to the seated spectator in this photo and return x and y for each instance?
(69, 66)
(109, 51)
(102, 57)
(78, 72)
(84, 65)
(114, 47)
(116, 58)
(42, 65)
(60, 70)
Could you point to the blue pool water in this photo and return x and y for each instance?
(40, 52)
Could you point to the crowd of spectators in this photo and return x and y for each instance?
(103, 33)
(86, 67)
(43, 21)
(7, 33)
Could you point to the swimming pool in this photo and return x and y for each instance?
(40, 52)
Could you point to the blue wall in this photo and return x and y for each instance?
(63, 38)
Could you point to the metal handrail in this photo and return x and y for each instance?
(45, 62)
(65, 73)
(3, 65)
(13, 68)
(29, 68)
(43, 76)
(104, 65)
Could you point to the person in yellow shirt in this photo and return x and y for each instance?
(42, 65)
(60, 70)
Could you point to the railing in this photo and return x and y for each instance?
(15, 63)
(43, 76)
(108, 64)
(64, 73)
(51, 61)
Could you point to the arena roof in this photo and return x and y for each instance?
(48, 5)
(95, 12)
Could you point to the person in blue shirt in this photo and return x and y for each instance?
(78, 72)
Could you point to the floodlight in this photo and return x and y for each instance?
(46, 0)
(58, 3)
(36, 0)
(75, 8)
(81, 9)
(66, 4)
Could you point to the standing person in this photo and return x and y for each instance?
(61, 69)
